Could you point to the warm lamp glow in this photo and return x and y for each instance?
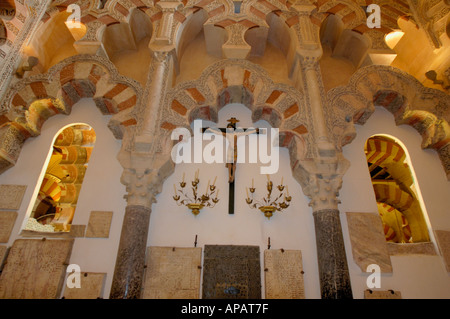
(73, 24)
(393, 38)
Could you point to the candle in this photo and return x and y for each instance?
(268, 178)
(217, 194)
(175, 189)
(253, 183)
(207, 187)
(287, 190)
(183, 177)
(214, 183)
(246, 189)
(281, 180)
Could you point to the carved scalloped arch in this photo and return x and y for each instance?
(425, 109)
(235, 81)
(31, 101)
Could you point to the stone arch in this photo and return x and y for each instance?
(396, 190)
(235, 81)
(54, 40)
(406, 98)
(190, 28)
(31, 101)
(351, 13)
(126, 35)
(7, 13)
(96, 19)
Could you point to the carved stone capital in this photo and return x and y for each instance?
(310, 61)
(321, 180)
(141, 185)
(160, 56)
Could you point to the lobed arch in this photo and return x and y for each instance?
(126, 35)
(234, 81)
(31, 101)
(125, 41)
(95, 19)
(344, 42)
(53, 41)
(246, 34)
(353, 27)
(411, 103)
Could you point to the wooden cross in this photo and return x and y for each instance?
(231, 162)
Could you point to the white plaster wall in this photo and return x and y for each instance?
(414, 276)
(171, 225)
(101, 190)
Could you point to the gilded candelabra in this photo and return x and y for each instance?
(268, 205)
(196, 202)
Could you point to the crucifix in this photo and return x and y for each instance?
(232, 137)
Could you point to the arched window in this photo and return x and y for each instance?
(396, 190)
(54, 205)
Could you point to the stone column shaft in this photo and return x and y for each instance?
(129, 269)
(315, 100)
(333, 268)
(155, 90)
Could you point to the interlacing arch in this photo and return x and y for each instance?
(425, 109)
(237, 81)
(30, 102)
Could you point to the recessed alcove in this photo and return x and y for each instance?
(54, 41)
(126, 45)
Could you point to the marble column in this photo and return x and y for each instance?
(129, 269)
(154, 93)
(333, 268)
(141, 184)
(322, 176)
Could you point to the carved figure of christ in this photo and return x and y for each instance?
(231, 134)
